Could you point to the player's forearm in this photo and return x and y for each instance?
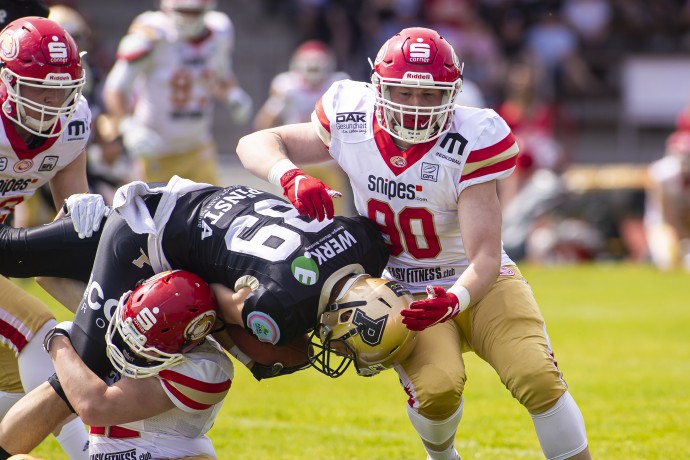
(479, 276)
(85, 391)
(260, 151)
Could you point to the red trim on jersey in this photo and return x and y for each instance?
(195, 384)
(492, 150)
(389, 150)
(493, 168)
(12, 334)
(321, 115)
(130, 57)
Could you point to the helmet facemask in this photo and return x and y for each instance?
(155, 324)
(411, 123)
(43, 119)
(362, 325)
(127, 349)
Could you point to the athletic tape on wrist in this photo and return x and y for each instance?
(462, 294)
(279, 169)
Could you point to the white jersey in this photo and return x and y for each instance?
(413, 195)
(667, 177)
(23, 169)
(174, 91)
(293, 99)
(197, 387)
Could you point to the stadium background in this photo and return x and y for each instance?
(621, 331)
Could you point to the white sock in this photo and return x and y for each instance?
(448, 454)
(74, 440)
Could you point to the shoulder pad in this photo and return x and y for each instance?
(146, 30)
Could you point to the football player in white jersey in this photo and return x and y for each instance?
(667, 207)
(175, 378)
(173, 63)
(45, 126)
(292, 97)
(424, 170)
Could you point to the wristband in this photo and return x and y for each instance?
(462, 294)
(279, 169)
(51, 334)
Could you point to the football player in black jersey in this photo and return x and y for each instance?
(291, 273)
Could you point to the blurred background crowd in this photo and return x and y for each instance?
(598, 92)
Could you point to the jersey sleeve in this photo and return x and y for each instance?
(277, 318)
(324, 112)
(200, 382)
(493, 155)
(141, 37)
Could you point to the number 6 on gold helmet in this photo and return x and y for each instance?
(362, 325)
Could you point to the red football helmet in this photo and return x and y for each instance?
(188, 15)
(165, 316)
(314, 61)
(37, 54)
(416, 58)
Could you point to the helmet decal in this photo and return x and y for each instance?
(9, 46)
(200, 326)
(419, 52)
(370, 329)
(382, 52)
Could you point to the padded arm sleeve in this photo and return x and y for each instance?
(47, 250)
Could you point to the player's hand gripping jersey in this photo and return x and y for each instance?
(176, 97)
(412, 195)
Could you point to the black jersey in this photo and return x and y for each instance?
(224, 234)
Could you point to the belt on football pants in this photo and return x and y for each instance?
(114, 432)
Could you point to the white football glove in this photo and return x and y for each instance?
(139, 140)
(239, 104)
(86, 210)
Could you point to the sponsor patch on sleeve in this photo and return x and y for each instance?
(264, 327)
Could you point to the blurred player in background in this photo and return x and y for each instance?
(170, 67)
(667, 208)
(174, 377)
(291, 100)
(46, 124)
(425, 170)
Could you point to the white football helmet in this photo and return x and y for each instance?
(155, 324)
(362, 325)
(188, 15)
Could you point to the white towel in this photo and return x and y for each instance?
(129, 203)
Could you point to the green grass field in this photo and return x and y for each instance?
(622, 338)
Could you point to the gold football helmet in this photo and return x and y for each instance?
(362, 325)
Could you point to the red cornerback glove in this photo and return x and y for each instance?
(308, 194)
(439, 307)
